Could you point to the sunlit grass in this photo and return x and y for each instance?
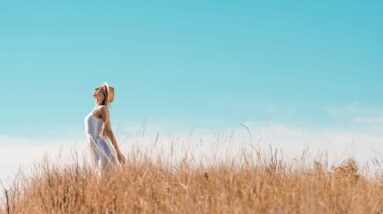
(259, 181)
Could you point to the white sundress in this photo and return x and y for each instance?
(103, 155)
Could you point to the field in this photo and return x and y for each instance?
(257, 181)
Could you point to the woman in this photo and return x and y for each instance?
(102, 142)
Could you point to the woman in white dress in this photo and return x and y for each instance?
(103, 146)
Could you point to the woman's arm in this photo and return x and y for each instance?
(112, 138)
(108, 132)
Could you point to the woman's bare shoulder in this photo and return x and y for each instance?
(103, 109)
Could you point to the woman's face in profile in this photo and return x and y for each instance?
(98, 93)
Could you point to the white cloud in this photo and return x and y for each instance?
(375, 120)
(21, 153)
(357, 114)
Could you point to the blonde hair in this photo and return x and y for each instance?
(106, 95)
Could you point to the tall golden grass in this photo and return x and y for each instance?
(265, 184)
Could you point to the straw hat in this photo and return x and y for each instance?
(110, 91)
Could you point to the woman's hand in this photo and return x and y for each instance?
(121, 158)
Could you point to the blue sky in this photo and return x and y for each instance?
(208, 64)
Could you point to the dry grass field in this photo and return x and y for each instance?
(264, 184)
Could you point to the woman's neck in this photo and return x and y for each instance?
(99, 103)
